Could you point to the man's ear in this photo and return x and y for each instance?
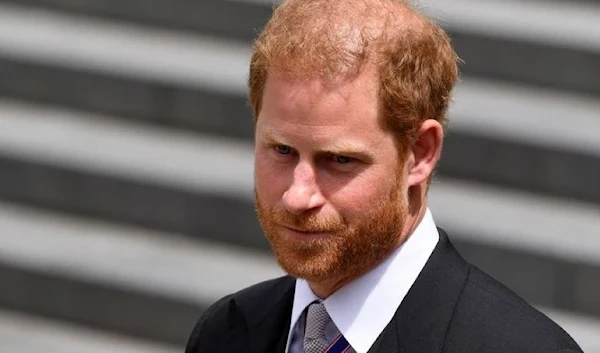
(425, 152)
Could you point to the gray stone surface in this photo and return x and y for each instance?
(106, 306)
(587, 288)
(486, 56)
(134, 202)
(143, 100)
(226, 18)
(488, 159)
(527, 62)
(101, 306)
(201, 216)
(531, 168)
(550, 280)
(24, 333)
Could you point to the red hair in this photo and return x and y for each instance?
(412, 56)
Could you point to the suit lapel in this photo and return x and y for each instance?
(421, 322)
(419, 325)
(388, 341)
(268, 317)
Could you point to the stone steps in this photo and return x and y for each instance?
(21, 333)
(134, 281)
(126, 160)
(191, 184)
(70, 56)
(127, 286)
(544, 43)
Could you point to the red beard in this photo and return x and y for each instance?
(350, 247)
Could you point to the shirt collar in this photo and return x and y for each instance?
(363, 308)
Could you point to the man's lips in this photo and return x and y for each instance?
(307, 231)
(299, 230)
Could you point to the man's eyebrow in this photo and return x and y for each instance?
(343, 147)
(349, 149)
(271, 135)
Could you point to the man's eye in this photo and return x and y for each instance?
(282, 149)
(342, 159)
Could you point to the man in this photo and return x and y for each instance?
(350, 100)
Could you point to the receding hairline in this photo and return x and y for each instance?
(337, 37)
(412, 58)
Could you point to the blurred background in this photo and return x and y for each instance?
(126, 164)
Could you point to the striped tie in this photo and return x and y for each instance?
(321, 335)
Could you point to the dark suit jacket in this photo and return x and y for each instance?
(453, 307)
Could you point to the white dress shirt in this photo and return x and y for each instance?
(364, 307)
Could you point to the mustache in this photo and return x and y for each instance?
(309, 222)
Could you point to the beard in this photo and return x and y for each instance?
(351, 246)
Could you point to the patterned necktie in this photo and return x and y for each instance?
(321, 335)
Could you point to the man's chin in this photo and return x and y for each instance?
(311, 277)
(307, 270)
(313, 257)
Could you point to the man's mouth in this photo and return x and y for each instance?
(306, 230)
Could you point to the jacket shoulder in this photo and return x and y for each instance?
(490, 317)
(225, 316)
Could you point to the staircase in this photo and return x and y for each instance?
(126, 163)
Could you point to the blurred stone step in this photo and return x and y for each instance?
(201, 186)
(147, 101)
(96, 195)
(155, 76)
(129, 280)
(173, 180)
(133, 281)
(525, 242)
(23, 333)
(524, 138)
(236, 19)
(521, 140)
(583, 328)
(550, 44)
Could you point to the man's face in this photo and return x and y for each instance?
(329, 187)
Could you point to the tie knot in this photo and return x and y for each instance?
(321, 334)
(317, 320)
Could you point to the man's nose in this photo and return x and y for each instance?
(303, 193)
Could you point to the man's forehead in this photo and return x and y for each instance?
(309, 89)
